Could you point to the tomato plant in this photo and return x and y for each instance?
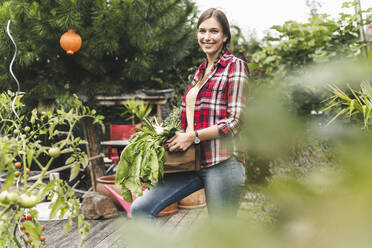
(20, 148)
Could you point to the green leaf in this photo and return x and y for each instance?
(154, 166)
(30, 156)
(127, 195)
(351, 107)
(62, 212)
(356, 96)
(38, 227)
(80, 220)
(53, 11)
(9, 178)
(33, 116)
(122, 169)
(34, 234)
(85, 160)
(70, 160)
(56, 206)
(74, 172)
(66, 227)
(46, 189)
(336, 116)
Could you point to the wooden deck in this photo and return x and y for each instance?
(111, 232)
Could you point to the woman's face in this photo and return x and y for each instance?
(211, 37)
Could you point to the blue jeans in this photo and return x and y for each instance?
(222, 183)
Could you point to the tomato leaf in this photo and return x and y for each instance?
(33, 230)
(66, 227)
(9, 178)
(46, 189)
(62, 212)
(80, 220)
(70, 160)
(30, 155)
(84, 161)
(57, 205)
(75, 169)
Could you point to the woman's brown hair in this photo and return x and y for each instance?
(221, 18)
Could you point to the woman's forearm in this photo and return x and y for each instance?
(208, 133)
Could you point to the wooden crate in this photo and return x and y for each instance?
(188, 160)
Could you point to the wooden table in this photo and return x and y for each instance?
(116, 143)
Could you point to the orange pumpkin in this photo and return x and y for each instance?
(70, 41)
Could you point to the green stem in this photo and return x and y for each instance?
(25, 176)
(45, 169)
(15, 236)
(8, 120)
(39, 164)
(68, 135)
(71, 128)
(4, 211)
(148, 124)
(40, 179)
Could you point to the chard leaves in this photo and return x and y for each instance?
(141, 162)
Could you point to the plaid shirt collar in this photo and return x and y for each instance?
(222, 61)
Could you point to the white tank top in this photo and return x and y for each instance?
(190, 105)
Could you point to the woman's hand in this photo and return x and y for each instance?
(181, 141)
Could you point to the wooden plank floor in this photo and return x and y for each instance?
(109, 232)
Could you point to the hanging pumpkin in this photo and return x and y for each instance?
(70, 41)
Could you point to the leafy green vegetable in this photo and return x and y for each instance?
(141, 162)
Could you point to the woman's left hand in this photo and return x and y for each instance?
(180, 141)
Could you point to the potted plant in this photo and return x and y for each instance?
(352, 103)
(136, 108)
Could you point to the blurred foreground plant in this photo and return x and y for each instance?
(327, 205)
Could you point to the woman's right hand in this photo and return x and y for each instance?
(180, 141)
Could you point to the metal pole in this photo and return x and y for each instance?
(369, 35)
(358, 13)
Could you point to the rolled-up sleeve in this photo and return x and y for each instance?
(236, 98)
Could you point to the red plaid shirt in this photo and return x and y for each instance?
(220, 101)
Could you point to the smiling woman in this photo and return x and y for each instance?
(210, 118)
(211, 37)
